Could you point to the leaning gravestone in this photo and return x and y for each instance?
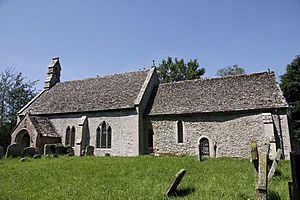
(274, 164)
(89, 151)
(262, 177)
(14, 150)
(47, 149)
(1, 152)
(29, 151)
(173, 186)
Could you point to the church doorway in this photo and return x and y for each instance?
(23, 138)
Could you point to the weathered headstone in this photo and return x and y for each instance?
(55, 156)
(23, 159)
(275, 163)
(174, 184)
(1, 152)
(14, 150)
(295, 185)
(254, 154)
(59, 149)
(262, 178)
(37, 156)
(29, 151)
(89, 151)
(47, 149)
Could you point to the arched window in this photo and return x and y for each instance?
(179, 132)
(109, 137)
(103, 136)
(98, 138)
(72, 140)
(68, 136)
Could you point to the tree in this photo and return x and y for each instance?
(290, 86)
(169, 71)
(230, 70)
(15, 93)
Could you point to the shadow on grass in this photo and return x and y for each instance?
(184, 192)
(273, 195)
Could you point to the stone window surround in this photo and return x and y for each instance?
(70, 136)
(183, 132)
(99, 132)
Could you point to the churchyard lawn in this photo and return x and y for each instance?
(142, 177)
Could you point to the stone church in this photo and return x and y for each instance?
(130, 114)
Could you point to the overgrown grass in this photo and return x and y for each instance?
(141, 177)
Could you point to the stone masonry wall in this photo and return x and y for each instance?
(124, 126)
(231, 132)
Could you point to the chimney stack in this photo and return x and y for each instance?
(53, 75)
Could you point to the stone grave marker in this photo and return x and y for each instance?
(23, 159)
(262, 178)
(29, 151)
(47, 149)
(254, 154)
(274, 164)
(89, 151)
(14, 150)
(174, 184)
(37, 156)
(1, 152)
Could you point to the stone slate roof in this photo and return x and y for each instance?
(117, 91)
(43, 126)
(231, 93)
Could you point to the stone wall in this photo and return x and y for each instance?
(230, 132)
(124, 124)
(282, 128)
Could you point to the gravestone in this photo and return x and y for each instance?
(294, 187)
(1, 152)
(274, 164)
(174, 184)
(254, 154)
(47, 149)
(14, 150)
(262, 178)
(23, 159)
(89, 151)
(37, 156)
(29, 151)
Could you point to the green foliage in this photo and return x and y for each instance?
(15, 92)
(169, 71)
(290, 85)
(230, 70)
(141, 177)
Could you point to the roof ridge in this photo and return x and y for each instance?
(105, 76)
(220, 77)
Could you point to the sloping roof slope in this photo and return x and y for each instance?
(231, 93)
(94, 94)
(43, 126)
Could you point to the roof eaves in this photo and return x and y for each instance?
(31, 101)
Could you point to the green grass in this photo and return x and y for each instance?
(141, 177)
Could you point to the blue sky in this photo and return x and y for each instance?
(105, 37)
